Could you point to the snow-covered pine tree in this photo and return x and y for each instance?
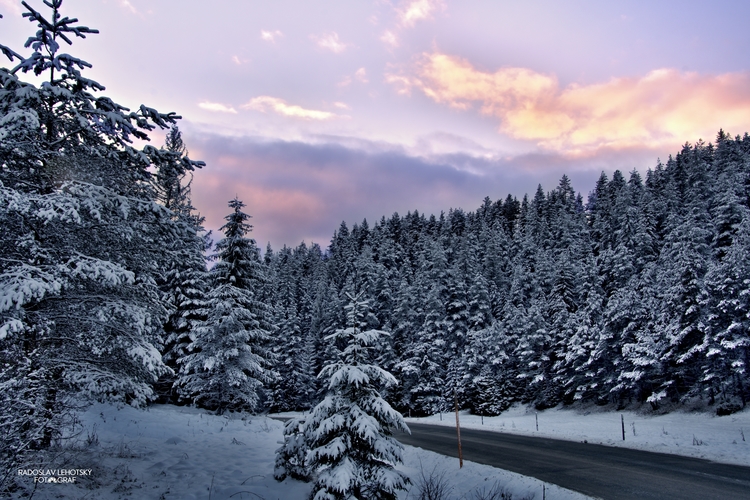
(682, 315)
(727, 343)
(580, 379)
(456, 326)
(292, 390)
(83, 240)
(292, 456)
(172, 185)
(423, 363)
(184, 282)
(406, 320)
(229, 361)
(618, 358)
(352, 451)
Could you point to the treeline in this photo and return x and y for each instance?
(640, 294)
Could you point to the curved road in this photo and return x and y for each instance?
(599, 471)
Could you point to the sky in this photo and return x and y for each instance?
(318, 112)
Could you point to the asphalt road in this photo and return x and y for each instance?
(599, 471)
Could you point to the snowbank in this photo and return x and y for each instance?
(168, 452)
(721, 439)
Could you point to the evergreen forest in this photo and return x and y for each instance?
(639, 294)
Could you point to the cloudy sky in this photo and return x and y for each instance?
(314, 112)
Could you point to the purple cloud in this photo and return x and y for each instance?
(300, 191)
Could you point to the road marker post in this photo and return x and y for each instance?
(458, 432)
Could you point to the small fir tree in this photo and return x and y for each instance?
(352, 450)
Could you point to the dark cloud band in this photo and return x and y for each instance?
(302, 191)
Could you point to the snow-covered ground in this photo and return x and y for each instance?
(185, 453)
(721, 439)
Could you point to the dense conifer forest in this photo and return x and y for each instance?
(637, 293)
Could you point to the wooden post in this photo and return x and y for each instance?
(458, 432)
(536, 416)
(622, 419)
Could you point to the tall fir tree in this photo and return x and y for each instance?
(184, 282)
(83, 241)
(230, 362)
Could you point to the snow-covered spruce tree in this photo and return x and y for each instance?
(229, 360)
(424, 361)
(184, 282)
(294, 388)
(352, 452)
(292, 457)
(82, 242)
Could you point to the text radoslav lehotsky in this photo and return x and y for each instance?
(54, 475)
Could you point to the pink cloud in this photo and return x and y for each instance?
(663, 108)
(276, 212)
(270, 36)
(12, 5)
(330, 41)
(279, 106)
(389, 38)
(129, 6)
(217, 107)
(361, 75)
(418, 10)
